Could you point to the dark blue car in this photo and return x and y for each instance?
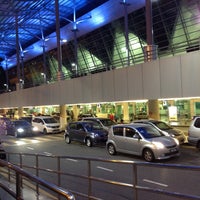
(86, 132)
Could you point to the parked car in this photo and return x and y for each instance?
(106, 123)
(22, 128)
(87, 132)
(141, 140)
(166, 129)
(46, 124)
(27, 118)
(81, 116)
(194, 132)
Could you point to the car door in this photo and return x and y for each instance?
(118, 138)
(132, 141)
(78, 133)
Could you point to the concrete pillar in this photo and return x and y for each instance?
(76, 112)
(133, 110)
(125, 112)
(20, 112)
(153, 106)
(192, 106)
(63, 117)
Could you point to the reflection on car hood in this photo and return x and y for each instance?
(167, 141)
(100, 132)
(175, 132)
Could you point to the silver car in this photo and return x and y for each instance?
(142, 140)
(105, 123)
(166, 129)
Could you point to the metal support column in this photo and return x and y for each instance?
(17, 52)
(59, 53)
(126, 30)
(150, 51)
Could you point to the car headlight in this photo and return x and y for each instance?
(20, 130)
(176, 140)
(159, 145)
(35, 129)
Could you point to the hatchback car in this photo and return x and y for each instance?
(194, 132)
(166, 129)
(141, 140)
(46, 124)
(22, 128)
(86, 132)
(105, 123)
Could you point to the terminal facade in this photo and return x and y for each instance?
(117, 69)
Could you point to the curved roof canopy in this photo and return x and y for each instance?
(34, 22)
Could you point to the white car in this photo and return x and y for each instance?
(46, 124)
(194, 132)
(141, 140)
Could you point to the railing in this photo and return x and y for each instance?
(85, 184)
(20, 175)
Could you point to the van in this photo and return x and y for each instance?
(46, 124)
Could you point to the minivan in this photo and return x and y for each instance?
(46, 124)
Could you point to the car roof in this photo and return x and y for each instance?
(82, 122)
(132, 125)
(43, 117)
(99, 118)
(146, 120)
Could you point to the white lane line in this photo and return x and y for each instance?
(73, 160)
(30, 148)
(154, 182)
(48, 154)
(106, 169)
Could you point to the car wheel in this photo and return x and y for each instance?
(67, 139)
(148, 155)
(111, 149)
(198, 145)
(45, 131)
(88, 142)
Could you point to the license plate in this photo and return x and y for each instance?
(173, 150)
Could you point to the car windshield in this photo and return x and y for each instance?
(107, 122)
(21, 123)
(162, 125)
(149, 132)
(93, 126)
(50, 120)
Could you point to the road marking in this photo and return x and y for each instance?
(73, 160)
(48, 154)
(30, 148)
(154, 182)
(103, 168)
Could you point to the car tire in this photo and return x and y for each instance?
(198, 145)
(88, 142)
(111, 149)
(148, 155)
(45, 131)
(67, 139)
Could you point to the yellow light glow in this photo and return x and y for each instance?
(35, 141)
(20, 142)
